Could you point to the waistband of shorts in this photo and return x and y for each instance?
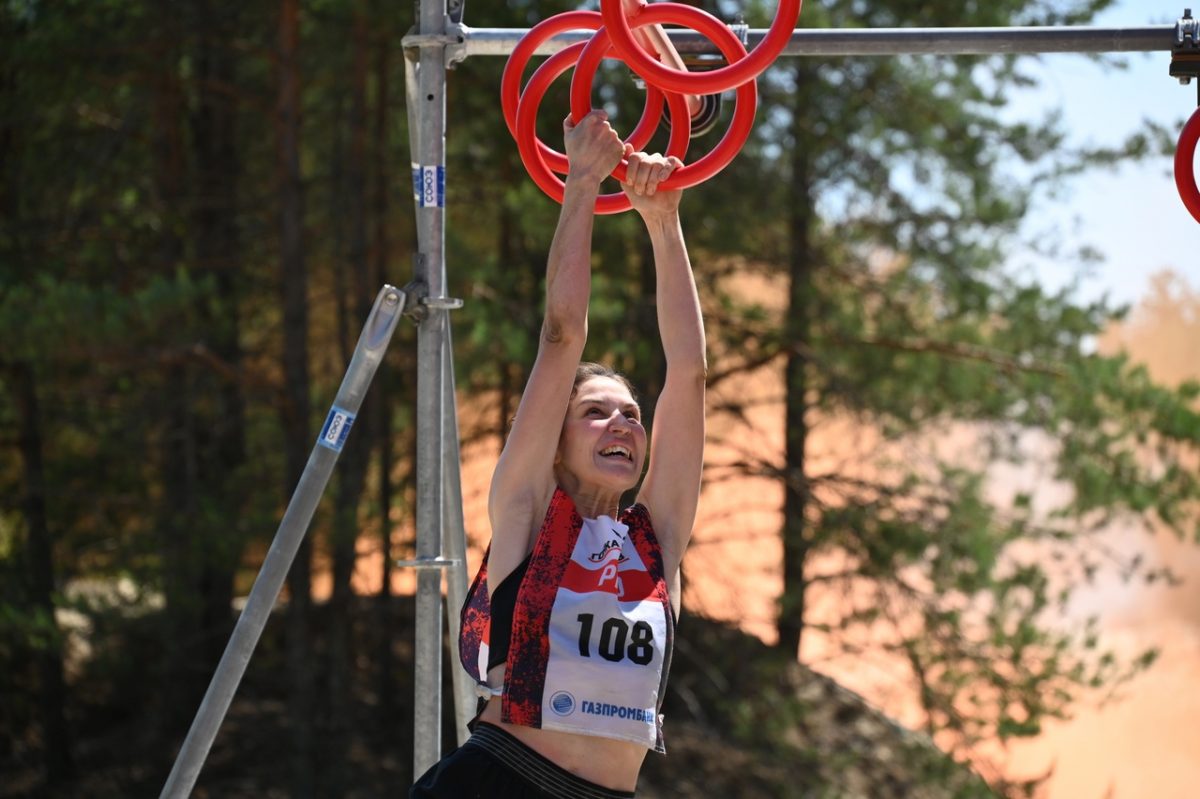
(536, 769)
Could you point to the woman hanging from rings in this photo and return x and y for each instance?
(568, 626)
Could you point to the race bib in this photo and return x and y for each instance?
(608, 635)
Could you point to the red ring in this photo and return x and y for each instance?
(510, 83)
(1185, 165)
(682, 81)
(729, 45)
(531, 156)
(588, 62)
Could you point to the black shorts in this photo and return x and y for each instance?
(494, 765)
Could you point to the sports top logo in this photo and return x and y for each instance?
(562, 703)
(606, 550)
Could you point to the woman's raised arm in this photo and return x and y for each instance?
(524, 472)
(671, 490)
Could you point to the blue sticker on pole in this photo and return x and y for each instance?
(336, 429)
(429, 186)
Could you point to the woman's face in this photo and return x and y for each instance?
(603, 442)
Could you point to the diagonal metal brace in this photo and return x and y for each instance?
(368, 354)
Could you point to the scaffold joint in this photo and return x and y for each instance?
(453, 40)
(742, 31)
(456, 51)
(1187, 30)
(1185, 54)
(416, 291)
(442, 303)
(420, 303)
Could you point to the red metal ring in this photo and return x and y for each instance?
(596, 50)
(531, 155)
(1185, 165)
(674, 80)
(510, 83)
(729, 45)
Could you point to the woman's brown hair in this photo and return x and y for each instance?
(589, 369)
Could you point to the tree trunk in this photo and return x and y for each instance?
(352, 468)
(182, 674)
(801, 264)
(51, 699)
(381, 252)
(57, 757)
(11, 145)
(297, 439)
(179, 458)
(217, 250)
(204, 445)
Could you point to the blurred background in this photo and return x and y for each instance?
(952, 310)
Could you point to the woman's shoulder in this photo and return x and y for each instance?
(517, 516)
(518, 500)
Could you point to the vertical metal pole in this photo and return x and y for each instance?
(456, 550)
(428, 109)
(427, 704)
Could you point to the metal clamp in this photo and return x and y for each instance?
(453, 40)
(420, 303)
(456, 51)
(1185, 54)
(411, 40)
(1187, 29)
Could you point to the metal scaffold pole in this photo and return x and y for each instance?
(455, 548)
(427, 126)
(440, 546)
(873, 41)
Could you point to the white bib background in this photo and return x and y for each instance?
(607, 641)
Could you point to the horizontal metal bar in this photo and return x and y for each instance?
(879, 41)
(429, 563)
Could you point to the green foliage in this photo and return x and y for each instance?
(139, 218)
(913, 328)
(896, 197)
(139, 277)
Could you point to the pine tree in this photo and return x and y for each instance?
(888, 228)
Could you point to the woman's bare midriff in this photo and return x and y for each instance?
(604, 761)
